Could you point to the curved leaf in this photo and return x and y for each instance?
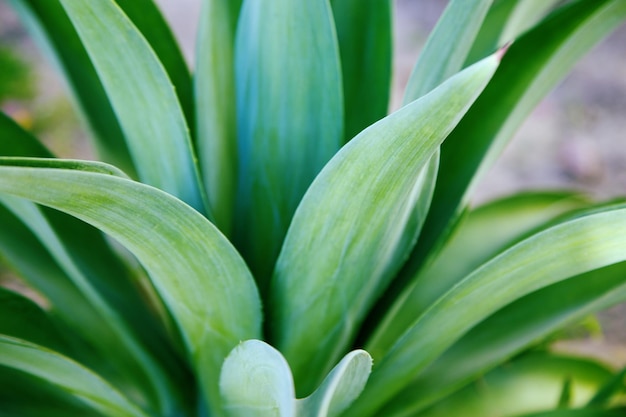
(574, 247)
(340, 388)
(510, 330)
(481, 235)
(340, 253)
(256, 381)
(67, 375)
(216, 108)
(365, 45)
(200, 265)
(289, 125)
(530, 68)
(142, 97)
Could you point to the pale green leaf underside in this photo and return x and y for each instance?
(67, 375)
(199, 275)
(255, 381)
(340, 388)
(574, 247)
(340, 253)
(142, 98)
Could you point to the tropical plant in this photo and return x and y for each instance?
(266, 218)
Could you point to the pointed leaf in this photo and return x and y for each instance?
(365, 44)
(203, 281)
(216, 109)
(17, 142)
(577, 246)
(142, 96)
(67, 375)
(496, 226)
(605, 393)
(512, 329)
(355, 226)
(256, 381)
(340, 388)
(529, 70)
(289, 125)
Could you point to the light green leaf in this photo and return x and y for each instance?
(531, 383)
(365, 44)
(290, 118)
(530, 68)
(511, 330)
(496, 226)
(202, 280)
(142, 97)
(340, 253)
(574, 247)
(215, 106)
(256, 381)
(67, 375)
(340, 388)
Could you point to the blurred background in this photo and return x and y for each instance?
(575, 138)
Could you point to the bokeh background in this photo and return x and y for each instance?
(574, 139)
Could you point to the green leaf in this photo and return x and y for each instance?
(365, 45)
(202, 280)
(496, 226)
(506, 20)
(17, 142)
(362, 240)
(290, 118)
(50, 26)
(256, 381)
(511, 330)
(615, 412)
(23, 319)
(68, 375)
(606, 392)
(568, 249)
(447, 46)
(531, 383)
(25, 395)
(340, 388)
(142, 97)
(530, 68)
(215, 106)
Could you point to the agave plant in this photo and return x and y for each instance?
(264, 240)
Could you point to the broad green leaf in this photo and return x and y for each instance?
(24, 395)
(496, 226)
(216, 107)
(67, 375)
(290, 118)
(51, 28)
(202, 280)
(256, 381)
(142, 97)
(506, 20)
(531, 383)
(566, 250)
(23, 319)
(148, 19)
(340, 388)
(530, 68)
(365, 45)
(511, 330)
(355, 226)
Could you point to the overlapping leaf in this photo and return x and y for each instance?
(340, 253)
(202, 280)
(289, 117)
